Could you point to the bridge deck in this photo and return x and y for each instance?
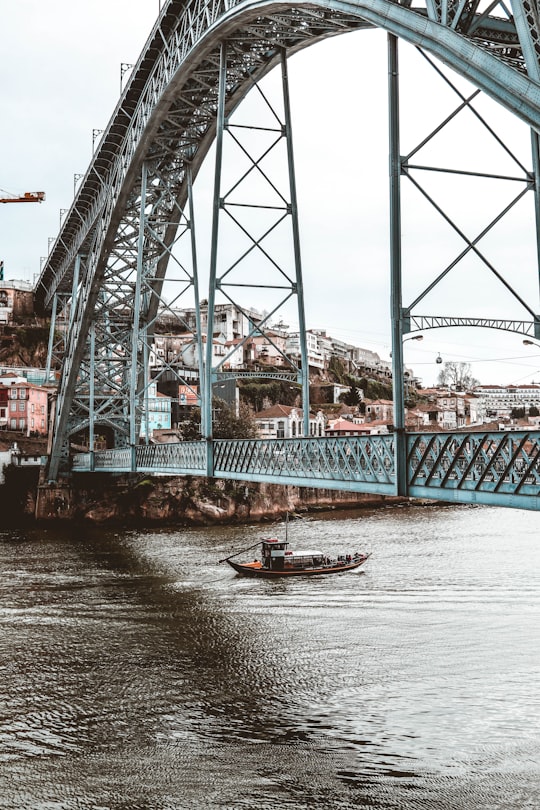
(498, 468)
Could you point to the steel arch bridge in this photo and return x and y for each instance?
(106, 270)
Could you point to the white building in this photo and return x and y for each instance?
(498, 401)
(315, 355)
(286, 422)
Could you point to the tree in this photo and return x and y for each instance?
(456, 376)
(352, 397)
(533, 411)
(225, 423)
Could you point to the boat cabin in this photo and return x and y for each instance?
(277, 557)
(273, 554)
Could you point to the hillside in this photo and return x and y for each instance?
(24, 345)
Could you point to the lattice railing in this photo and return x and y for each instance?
(359, 459)
(501, 468)
(505, 463)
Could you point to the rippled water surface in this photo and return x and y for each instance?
(136, 671)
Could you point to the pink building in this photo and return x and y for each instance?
(27, 408)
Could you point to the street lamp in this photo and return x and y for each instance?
(413, 337)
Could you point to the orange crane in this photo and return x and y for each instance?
(28, 196)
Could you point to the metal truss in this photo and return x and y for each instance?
(166, 120)
(512, 37)
(524, 180)
(58, 331)
(498, 468)
(419, 323)
(402, 166)
(284, 376)
(113, 379)
(264, 215)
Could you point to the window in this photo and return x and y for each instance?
(13, 424)
(32, 407)
(13, 406)
(22, 406)
(281, 430)
(22, 424)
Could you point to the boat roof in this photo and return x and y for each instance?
(308, 553)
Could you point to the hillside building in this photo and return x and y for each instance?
(24, 407)
(498, 401)
(286, 422)
(16, 301)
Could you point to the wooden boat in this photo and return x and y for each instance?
(277, 560)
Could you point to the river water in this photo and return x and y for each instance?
(136, 671)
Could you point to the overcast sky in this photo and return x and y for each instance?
(60, 66)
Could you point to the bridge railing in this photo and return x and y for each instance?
(341, 463)
(180, 458)
(500, 467)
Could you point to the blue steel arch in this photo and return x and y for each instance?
(166, 118)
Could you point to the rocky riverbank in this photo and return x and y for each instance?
(136, 500)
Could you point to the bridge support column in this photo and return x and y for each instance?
(251, 215)
(50, 347)
(535, 143)
(209, 458)
(91, 394)
(206, 410)
(304, 371)
(135, 377)
(400, 447)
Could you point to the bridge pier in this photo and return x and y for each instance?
(396, 304)
(54, 501)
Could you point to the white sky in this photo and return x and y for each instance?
(60, 67)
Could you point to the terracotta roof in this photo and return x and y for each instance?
(344, 424)
(276, 411)
(426, 408)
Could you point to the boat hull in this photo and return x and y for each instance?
(255, 569)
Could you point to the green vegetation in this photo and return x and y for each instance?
(337, 370)
(259, 394)
(375, 389)
(225, 423)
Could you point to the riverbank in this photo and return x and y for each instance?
(136, 500)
